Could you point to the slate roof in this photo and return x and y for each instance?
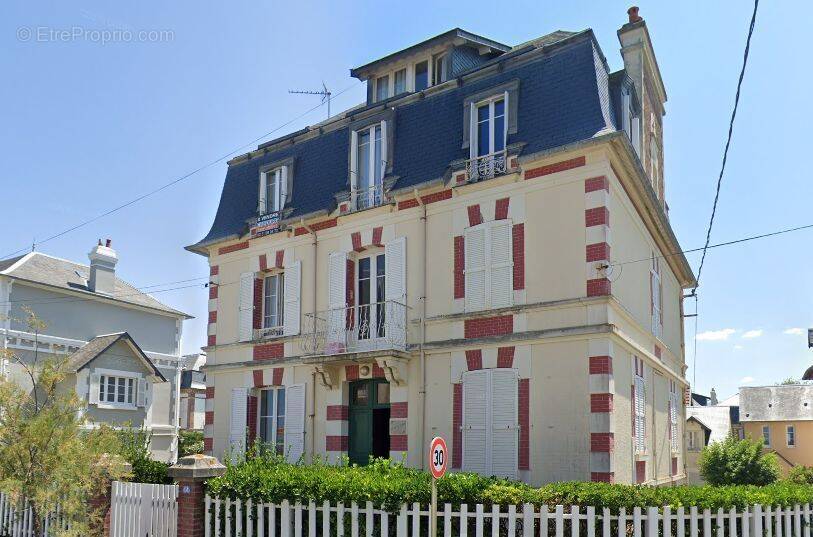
(98, 345)
(564, 98)
(63, 274)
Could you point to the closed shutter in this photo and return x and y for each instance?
(636, 135)
(93, 390)
(395, 292)
(337, 301)
(475, 421)
(475, 268)
(501, 278)
(673, 406)
(295, 422)
(246, 306)
(640, 414)
(504, 426)
(141, 393)
(292, 298)
(237, 422)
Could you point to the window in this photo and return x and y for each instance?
(694, 441)
(440, 64)
(656, 290)
(371, 299)
(421, 75)
(791, 436)
(766, 435)
(639, 407)
(273, 291)
(629, 121)
(490, 422)
(382, 88)
(272, 190)
(489, 266)
(368, 165)
(117, 390)
(489, 127)
(271, 419)
(400, 82)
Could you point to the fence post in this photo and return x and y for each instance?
(190, 473)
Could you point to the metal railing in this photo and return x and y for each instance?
(487, 166)
(269, 332)
(360, 328)
(364, 198)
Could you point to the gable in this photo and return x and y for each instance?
(120, 357)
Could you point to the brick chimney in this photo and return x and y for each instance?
(103, 261)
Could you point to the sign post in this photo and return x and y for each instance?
(437, 465)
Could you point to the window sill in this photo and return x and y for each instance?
(116, 406)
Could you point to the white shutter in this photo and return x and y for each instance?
(141, 393)
(473, 136)
(395, 292)
(475, 268)
(261, 195)
(640, 414)
(504, 423)
(636, 135)
(383, 162)
(283, 187)
(93, 390)
(295, 422)
(246, 306)
(292, 298)
(237, 422)
(337, 299)
(501, 290)
(475, 421)
(354, 148)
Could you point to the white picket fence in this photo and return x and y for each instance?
(235, 518)
(17, 519)
(143, 510)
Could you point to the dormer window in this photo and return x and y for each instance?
(382, 88)
(488, 136)
(421, 75)
(630, 122)
(368, 164)
(400, 82)
(275, 187)
(440, 68)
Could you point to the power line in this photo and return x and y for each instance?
(171, 183)
(728, 141)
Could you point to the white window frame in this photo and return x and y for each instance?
(473, 124)
(428, 73)
(694, 441)
(373, 305)
(766, 435)
(277, 443)
(488, 263)
(640, 413)
(112, 373)
(280, 174)
(375, 192)
(279, 278)
(443, 58)
(790, 436)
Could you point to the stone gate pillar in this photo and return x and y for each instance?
(190, 473)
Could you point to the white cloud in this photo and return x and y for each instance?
(715, 335)
(795, 331)
(746, 380)
(752, 334)
(738, 347)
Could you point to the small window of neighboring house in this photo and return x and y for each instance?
(120, 390)
(400, 83)
(273, 189)
(791, 436)
(440, 63)
(766, 435)
(271, 419)
(639, 408)
(490, 422)
(656, 296)
(382, 88)
(488, 266)
(273, 302)
(694, 441)
(421, 75)
(368, 165)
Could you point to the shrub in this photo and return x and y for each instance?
(135, 450)
(737, 462)
(190, 443)
(802, 475)
(269, 478)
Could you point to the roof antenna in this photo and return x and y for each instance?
(34, 244)
(325, 93)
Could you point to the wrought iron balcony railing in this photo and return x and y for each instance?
(487, 166)
(364, 198)
(361, 328)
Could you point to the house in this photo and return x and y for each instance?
(193, 394)
(439, 261)
(122, 346)
(782, 416)
(708, 420)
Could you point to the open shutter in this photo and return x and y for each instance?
(473, 137)
(475, 268)
(501, 275)
(292, 298)
(504, 423)
(237, 422)
(261, 195)
(354, 160)
(636, 135)
(284, 191)
(337, 301)
(475, 421)
(93, 389)
(141, 393)
(395, 292)
(295, 422)
(384, 156)
(246, 306)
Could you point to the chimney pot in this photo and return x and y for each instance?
(633, 14)
(108, 242)
(100, 242)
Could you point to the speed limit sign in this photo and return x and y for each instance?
(437, 457)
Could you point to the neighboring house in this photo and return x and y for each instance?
(782, 416)
(123, 345)
(437, 262)
(710, 421)
(193, 393)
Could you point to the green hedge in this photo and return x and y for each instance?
(390, 484)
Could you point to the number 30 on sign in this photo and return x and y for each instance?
(437, 457)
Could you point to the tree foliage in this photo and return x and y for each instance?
(737, 462)
(135, 448)
(190, 442)
(48, 454)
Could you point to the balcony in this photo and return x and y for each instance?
(487, 166)
(268, 333)
(364, 328)
(365, 198)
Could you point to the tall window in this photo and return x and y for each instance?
(271, 420)
(639, 396)
(766, 435)
(489, 266)
(369, 164)
(371, 305)
(400, 82)
(421, 75)
(694, 441)
(272, 190)
(273, 301)
(440, 65)
(489, 132)
(791, 436)
(382, 88)
(656, 290)
(119, 390)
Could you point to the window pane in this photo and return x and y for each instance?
(130, 384)
(439, 69)
(483, 131)
(363, 179)
(272, 190)
(421, 76)
(281, 421)
(400, 81)
(382, 396)
(499, 125)
(101, 387)
(379, 158)
(111, 389)
(122, 389)
(382, 88)
(361, 394)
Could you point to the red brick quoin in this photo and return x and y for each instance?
(555, 167)
(489, 326)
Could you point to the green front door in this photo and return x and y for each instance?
(369, 420)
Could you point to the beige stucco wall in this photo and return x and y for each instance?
(801, 454)
(692, 455)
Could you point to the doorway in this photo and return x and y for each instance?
(369, 420)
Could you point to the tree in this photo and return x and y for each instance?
(737, 462)
(48, 454)
(788, 381)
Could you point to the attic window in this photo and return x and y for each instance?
(440, 68)
(382, 88)
(275, 187)
(421, 75)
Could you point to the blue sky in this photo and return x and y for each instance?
(87, 125)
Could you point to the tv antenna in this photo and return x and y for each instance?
(325, 93)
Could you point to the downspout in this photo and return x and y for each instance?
(312, 414)
(422, 391)
(179, 365)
